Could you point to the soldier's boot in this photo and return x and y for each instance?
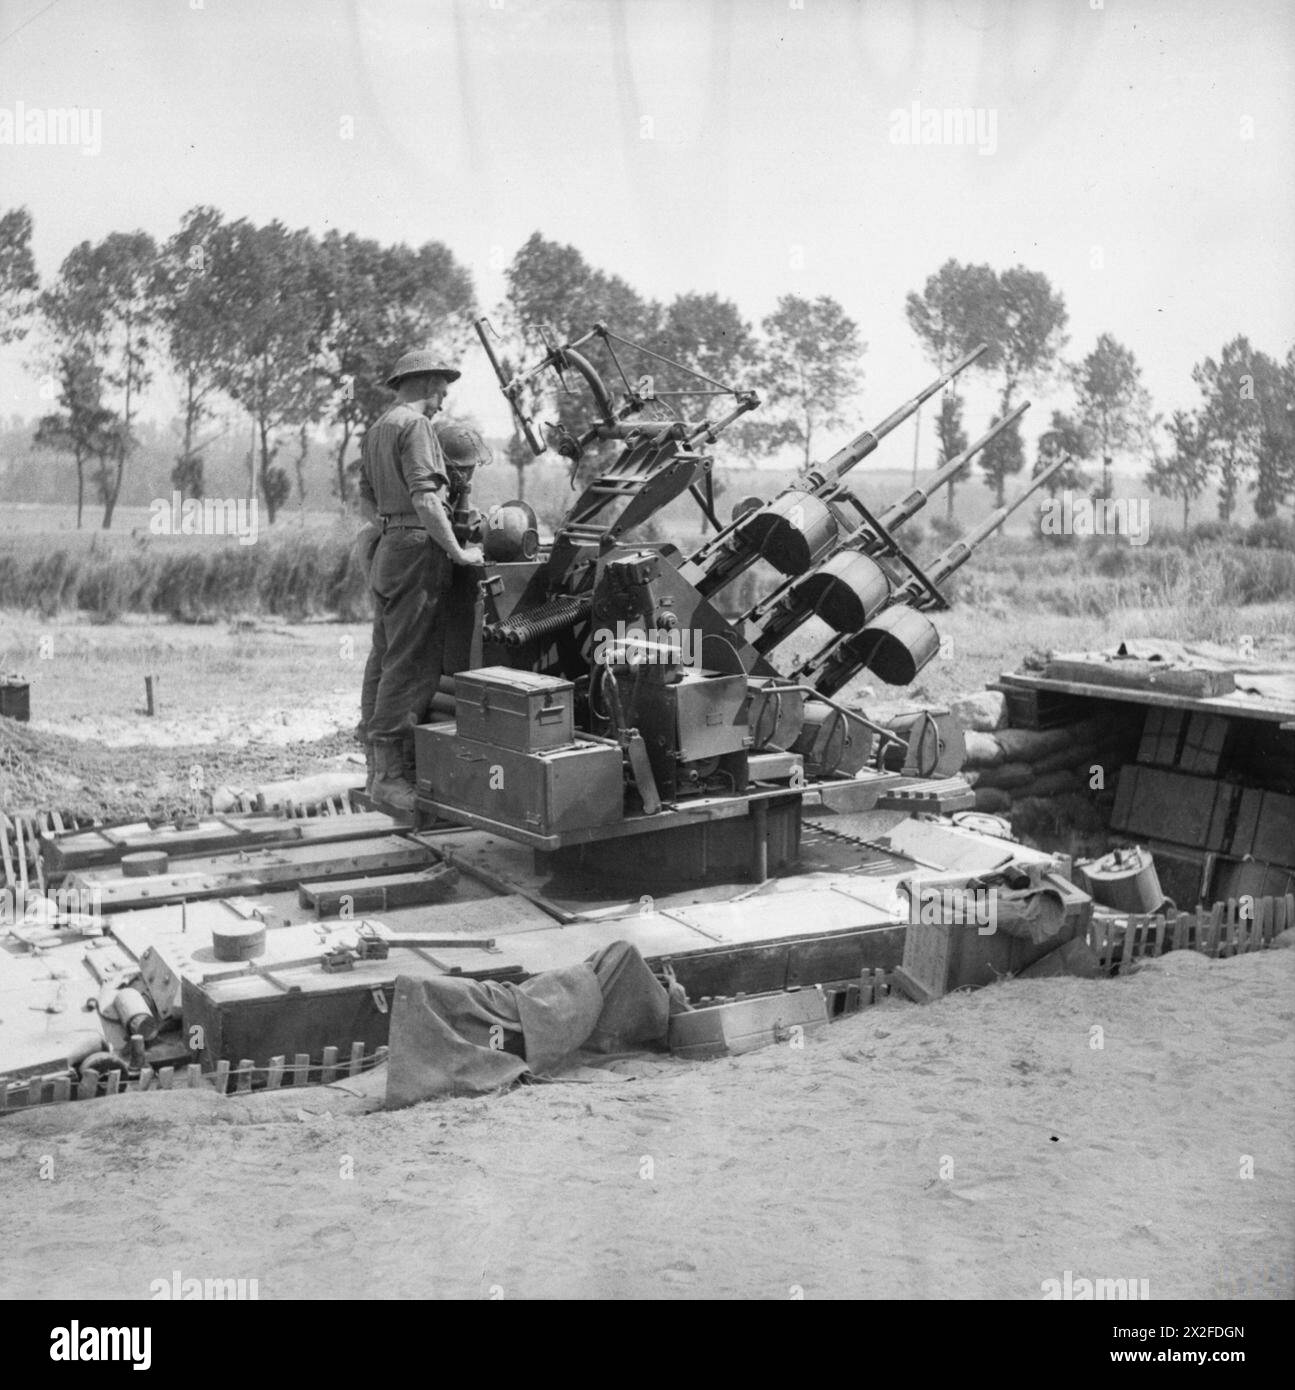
(370, 767)
(390, 786)
(408, 759)
(369, 761)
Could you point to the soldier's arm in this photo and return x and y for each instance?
(428, 482)
(366, 540)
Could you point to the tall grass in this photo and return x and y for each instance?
(291, 576)
(306, 574)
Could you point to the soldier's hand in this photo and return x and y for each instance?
(471, 555)
(366, 542)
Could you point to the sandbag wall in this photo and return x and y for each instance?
(1024, 774)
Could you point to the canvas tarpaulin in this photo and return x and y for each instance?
(454, 1037)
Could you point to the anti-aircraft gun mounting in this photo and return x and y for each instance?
(618, 703)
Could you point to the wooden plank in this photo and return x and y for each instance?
(33, 842)
(10, 874)
(1232, 925)
(36, 1090)
(112, 1083)
(1233, 705)
(62, 1088)
(301, 1069)
(20, 854)
(194, 1074)
(1097, 937)
(1263, 924)
(1126, 952)
(145, 1078)
(381, 1054)
(1159, 938)
(222, 1077)
(1247, 924)
(245, 1074)
(1215, 929)
(88, 1086)
(166, 1077)
(1279, 917)
(330, 1064)
(357, 1058)
(275, 1077)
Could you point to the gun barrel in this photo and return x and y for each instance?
(961, 550)
(863, 444)
(899, 512)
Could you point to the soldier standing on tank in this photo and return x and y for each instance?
(405, 499)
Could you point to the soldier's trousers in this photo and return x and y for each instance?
(410, 579)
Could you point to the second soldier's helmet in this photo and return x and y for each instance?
(462, 446)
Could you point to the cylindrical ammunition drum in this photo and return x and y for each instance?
(1125, 879)
(845, 591)
(132, 1009)
(775, 713)
(792, 531)
(831, 742)
(896, 644)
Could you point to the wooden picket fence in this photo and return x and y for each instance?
(225, 1079)
(1226, 929)
(848, 996)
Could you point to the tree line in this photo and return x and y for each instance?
(1241, 432)
(297, 331)
(294, 330)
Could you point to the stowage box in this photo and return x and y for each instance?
(548, 792)
(514, 709)
(742, 1025)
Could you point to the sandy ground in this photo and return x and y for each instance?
(971, 1148)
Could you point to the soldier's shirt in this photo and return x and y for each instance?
(400, 457)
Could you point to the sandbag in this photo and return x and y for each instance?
(1028, 745)
(993, 799)
(983, 712)
(1052, 784)
(983, 750)
(1006, 775)
(1068, 757)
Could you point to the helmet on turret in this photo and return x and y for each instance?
(511, 532)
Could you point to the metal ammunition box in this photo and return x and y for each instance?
(698, 716)
(514, 709)
(558, 789)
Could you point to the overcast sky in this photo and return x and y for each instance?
(1139, 152)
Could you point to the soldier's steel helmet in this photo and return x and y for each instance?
(420, 362)
(511, 532)
(462, 446)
